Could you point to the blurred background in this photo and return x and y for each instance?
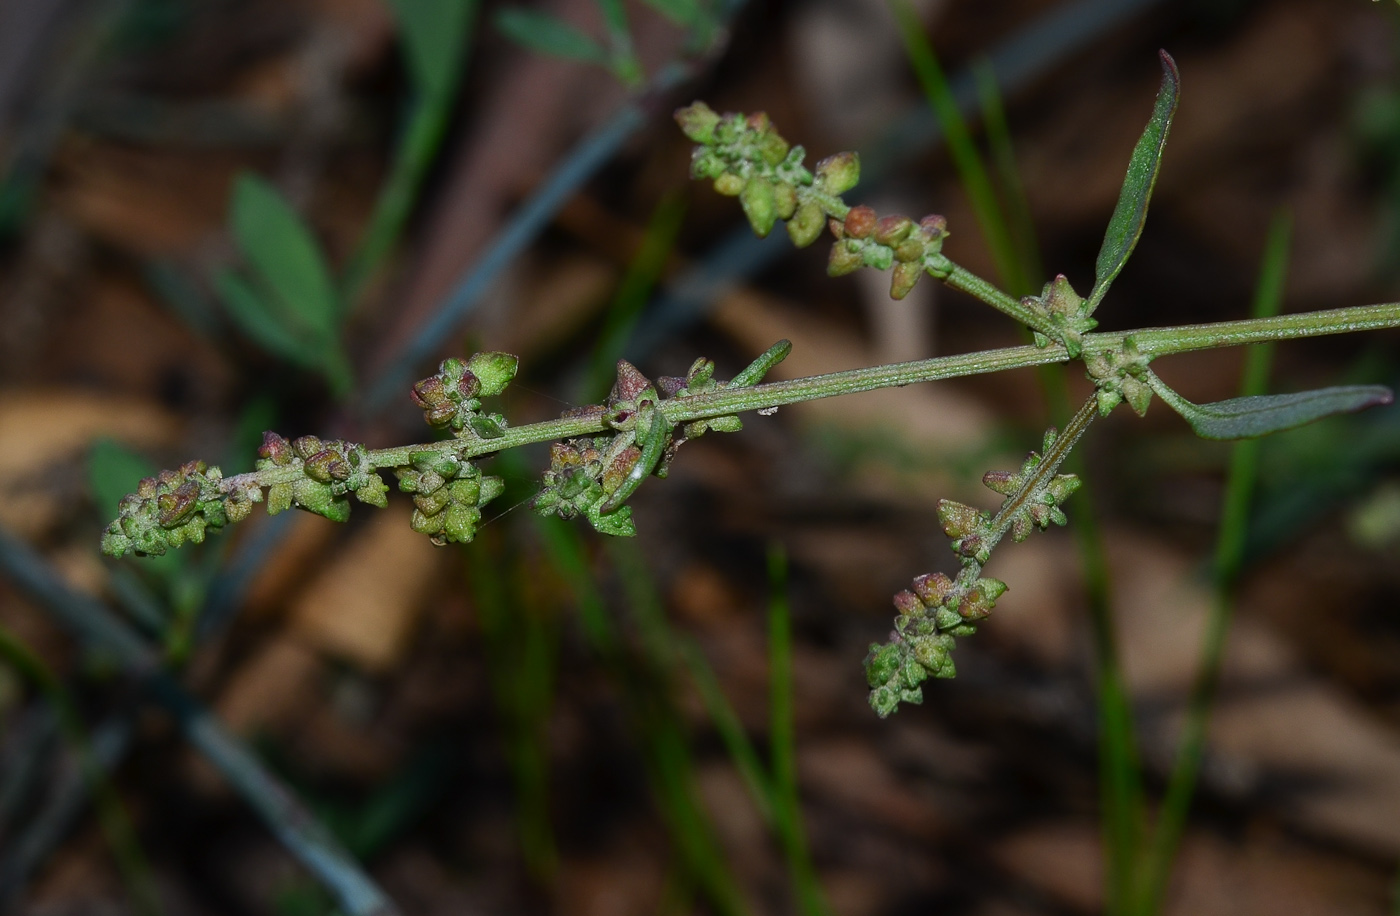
(218, 218)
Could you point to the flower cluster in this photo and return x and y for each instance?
(450, 399)
(938, 608)
(1065, 312)
(172, 508)
(594, 477)
(866, 240)
(935, 611)
(330, 470)
(448, 494)
(1120, 375)
(747, 157)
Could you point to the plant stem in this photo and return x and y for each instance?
(724, 401)
(974, 285)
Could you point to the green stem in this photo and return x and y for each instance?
(725, 401)
(1050, 463)
(989, 293)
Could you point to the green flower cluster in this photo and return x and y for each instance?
(746, 157)
(937, 610)
(1039, 507)
(583, 474)
(1120, 375)
(1065, 311)
(173, 508)
(448, 494)
(330, 469)
(866, 240)
(450, 399)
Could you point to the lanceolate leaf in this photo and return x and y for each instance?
(681, 12)
(1248, 417)
(1126, 224)
(260, 320)
(433, 34)
(548, 35)
(285, 258)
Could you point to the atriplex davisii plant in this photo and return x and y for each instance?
(602, 453)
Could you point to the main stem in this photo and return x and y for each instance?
(1151, 342)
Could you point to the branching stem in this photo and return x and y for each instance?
(725, 401)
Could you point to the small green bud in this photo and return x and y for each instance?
(908, 604)
(279, 498)
(705, 164)
(946, 618)
(494, 371)
(759, 201)
(958, 520)
(772, 147)
(903, 278)
(1003, 482)
(806, 224)
(860, 222)
(491, 487)
(1138, 395)
(838, 174)
(891, 230)
(729, 424)
(729, 184)
(1108, 400)
(845, 258)
(488, 427)
(698, 122)
(785, 200)
(881, 664)
(933, 589)
(373, 493)
(929, 653)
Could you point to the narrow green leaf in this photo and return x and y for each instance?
(1125, 226)
(971, 172)
(622, 57)
(261, 321)
(547, 35)
(730, 729)
(1229, 559)
(1259, 415)
(615, 17)
(284, 256)
(685, 13)
(433, 33)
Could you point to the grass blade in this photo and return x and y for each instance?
(548, 35)
(1229, 559)
(731, 731)
(656, 723)
(1020, 227)
(643, 273)
(436, 36)
(787, 810)
(975, 180)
